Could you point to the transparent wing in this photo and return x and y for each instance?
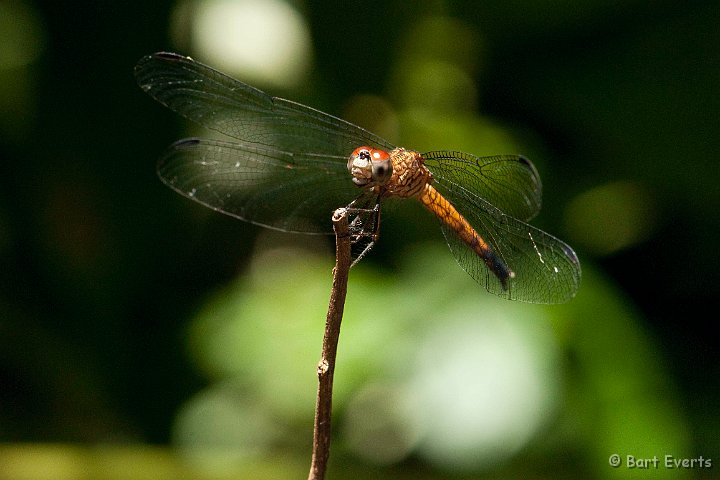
(546, 270)
(219, 102)
(509, 182)
(291, 192)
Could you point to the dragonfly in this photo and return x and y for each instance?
(287, 166)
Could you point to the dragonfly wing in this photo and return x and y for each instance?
(546, 270)
(509, 182)
(219, 102)
(286, 191)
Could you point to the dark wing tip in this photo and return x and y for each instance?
(528, 164)
(185, 142)
(164, 56)
(572, 256)
(576, 273)
(168, 56)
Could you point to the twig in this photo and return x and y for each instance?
(326, 367)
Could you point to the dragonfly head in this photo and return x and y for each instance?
(369, 166)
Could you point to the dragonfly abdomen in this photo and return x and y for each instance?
(446, 212)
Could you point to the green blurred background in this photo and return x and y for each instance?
(143, 336)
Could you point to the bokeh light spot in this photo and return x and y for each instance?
(484, 385)
(611, 217)
(263, 41)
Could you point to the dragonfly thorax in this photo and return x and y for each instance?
(409, 176)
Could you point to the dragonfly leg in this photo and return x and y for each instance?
(364, 228)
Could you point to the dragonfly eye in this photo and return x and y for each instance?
(381, 169)
(369, 166)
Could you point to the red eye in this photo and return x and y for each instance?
(361, 152)
(371, 153)
(379, 154)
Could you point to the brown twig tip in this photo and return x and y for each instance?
(326, 366)
(339, 214)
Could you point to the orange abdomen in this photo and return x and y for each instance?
(444, 210)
